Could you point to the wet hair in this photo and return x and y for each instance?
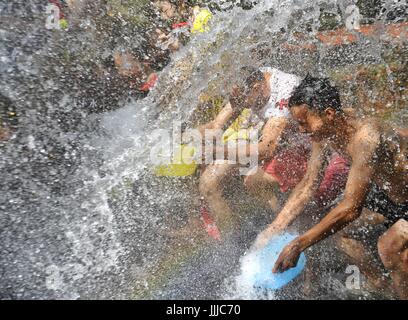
(317, 93)
(253, 78)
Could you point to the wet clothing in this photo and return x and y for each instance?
(209, 223)
(394, 151)
(334, 179)
(378, 201)
(289, 167)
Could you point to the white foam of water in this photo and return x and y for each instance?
(241, 286)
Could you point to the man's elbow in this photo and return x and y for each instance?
(351, 215)
(266, 150)
(349, 211)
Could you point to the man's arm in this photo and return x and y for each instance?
(299, 197)
(220, 120)
(231, 110)
(271, 135)
(346, 211)
(349, 209)
(266, 146)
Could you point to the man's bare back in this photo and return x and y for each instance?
(389, 159)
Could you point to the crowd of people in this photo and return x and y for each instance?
(139, 39)
(312, 148)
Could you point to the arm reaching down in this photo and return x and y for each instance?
(220, 120)
(346, 211)
(269, 140)
(299, 197)
(231, 110)
(266, 146)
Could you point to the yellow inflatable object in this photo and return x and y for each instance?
(201, 20)
(237, 130)
(63, 24)
(183, 165)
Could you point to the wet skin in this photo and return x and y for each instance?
(361, 140)
(255, 98)
(377, 154)
(211, 181)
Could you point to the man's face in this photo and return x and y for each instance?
(167, 10)
(257, 97)
(128, 66)
(317, 125)
(254, 98)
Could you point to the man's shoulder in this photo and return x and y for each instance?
(367, 135)
(369, 126)
(275, 121)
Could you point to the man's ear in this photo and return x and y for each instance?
(330, 113)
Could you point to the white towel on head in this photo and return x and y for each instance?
(282, 85)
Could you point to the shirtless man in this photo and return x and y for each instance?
(265, 92)
(378, 178)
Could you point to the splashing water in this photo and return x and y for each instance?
(242, 286)
(82, 215)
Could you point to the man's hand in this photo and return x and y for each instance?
(288, 257)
